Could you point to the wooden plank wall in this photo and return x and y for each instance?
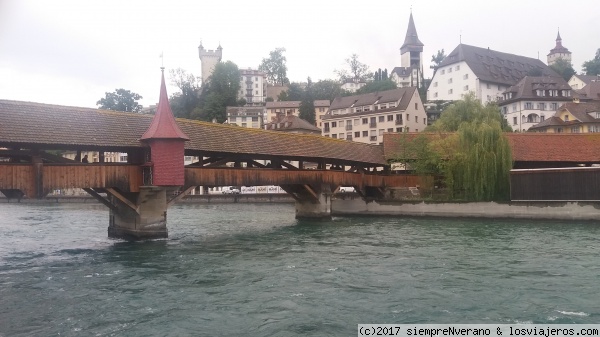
(18, 176)
(127, 178)
(556, 184)
(256, 177)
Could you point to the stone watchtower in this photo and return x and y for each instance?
(559, 52)
(208, 60)
(411, 52)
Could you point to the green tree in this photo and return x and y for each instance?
(357, 71)
(376, 86)
(437, 59)
(306, 110)
(275, 68)
(469, 109)
(295, 92)
(120, 100)
(183, 103)
(564, 68)
(592, 67)
(470, 152)
(327, 89)
(219, 92)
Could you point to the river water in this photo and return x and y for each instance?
(253, 270)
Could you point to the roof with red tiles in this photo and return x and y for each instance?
(163, 125)
(527, 147)
(29, 125)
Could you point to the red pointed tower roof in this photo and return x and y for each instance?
(163, 124)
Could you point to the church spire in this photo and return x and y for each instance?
(411, 41)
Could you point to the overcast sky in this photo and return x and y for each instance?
(70, 52)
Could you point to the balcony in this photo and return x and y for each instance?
(373, 138)
(373, 124)
(348, 127)
(399, 122)
(326, 129)
(349, 138)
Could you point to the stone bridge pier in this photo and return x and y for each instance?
(312, 202)
(141, 216)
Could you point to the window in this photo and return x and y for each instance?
(365, 134)
(390, 130)
(373, 122)
(256, 85)
(398, 129)
(341, 136)
(553, 106)
(458, 67)
(514, 107)
(450, 91)
(381, 119)
(575, 129)
(514, 120)
(255, 119)
(542, 117)
(243, 119)
(594, 128)
(528, 106)
(559, 130)
(435, 94)
(450, 70)
(383, 106)
(416, 119)
(435, 84)
(424, 120)
(408, 117)
(443, 71)
(416, 106)
(381, 131)
(566, 118)
(542, 106)
(321, 109)
(390, 118)
(465, 76)
(357, 134)
(450, 80)
(256, 78)
(334, 136)
(365, 121)
(334, 124)
(465, 88)
(256, 92)
(488, 86)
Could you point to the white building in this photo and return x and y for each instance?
(253, 86)
(352, 86)
(487, 73)
(364, 118)
(533, 99)
(246, 117)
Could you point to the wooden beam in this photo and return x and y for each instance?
(180, 196)
(311, 192)
(220, 162)
(286, 165)
(100, 198)
(123, 199)
(288, 190)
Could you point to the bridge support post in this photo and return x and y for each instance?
(316, 208)
(143, 218)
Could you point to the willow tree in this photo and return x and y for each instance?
(479, 168)
(469, 151)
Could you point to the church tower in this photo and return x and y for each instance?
(208, 60)
(559, 52)
(411, 52)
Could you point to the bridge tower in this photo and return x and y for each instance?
(146, 216)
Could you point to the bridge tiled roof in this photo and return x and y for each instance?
(527, 147)
(27, 125)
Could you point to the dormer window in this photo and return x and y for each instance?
(566, 118)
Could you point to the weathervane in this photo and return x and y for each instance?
(162, 61)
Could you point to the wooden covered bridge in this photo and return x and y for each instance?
(138, 192)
